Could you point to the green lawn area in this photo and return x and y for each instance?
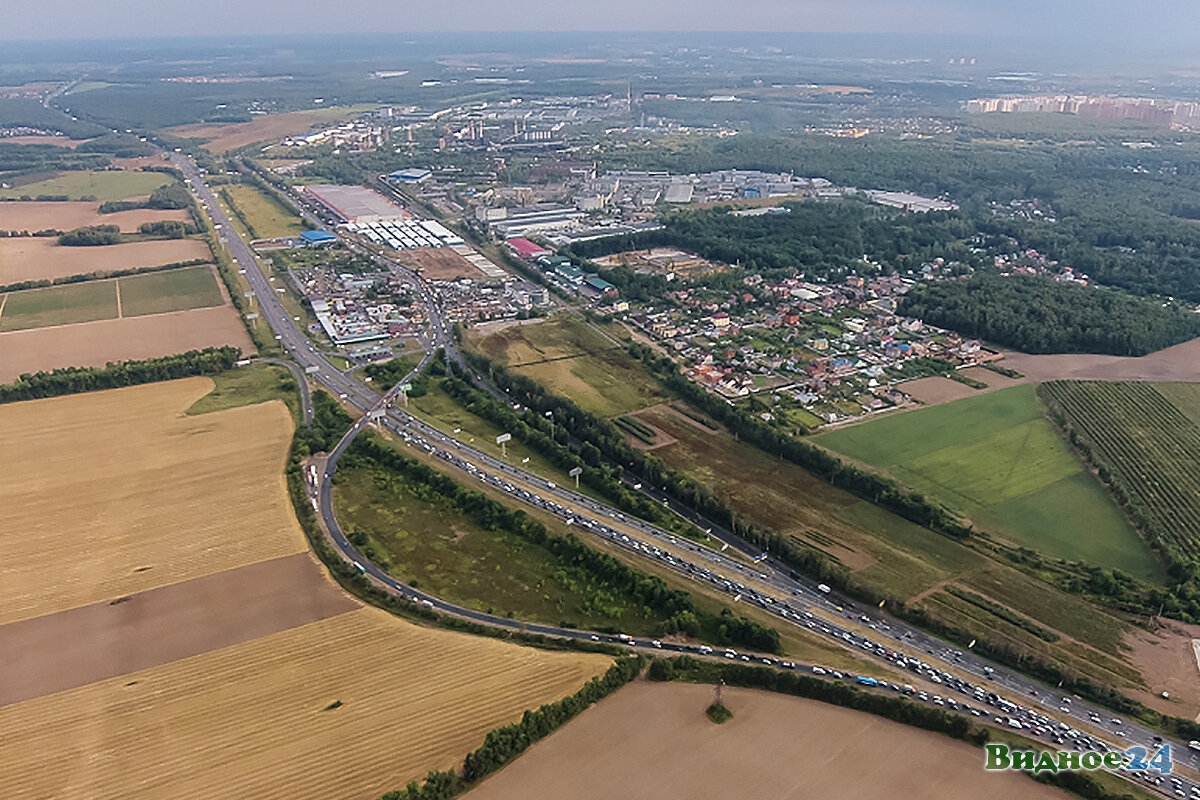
(889, 553)
(103, 185)
(996, 459)
(250, 385)
(59, 305)
(435, 547)
(266, 216)
(574, 360)
(170, 290)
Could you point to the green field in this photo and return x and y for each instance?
(431, 545)
(170, 290)
(890, 554)
(575, 360)
(266, 217)
(997, 460)
(88, 301)
(59, 305)
(247, 386)
(103, 186)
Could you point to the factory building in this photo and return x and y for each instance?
(355, 203)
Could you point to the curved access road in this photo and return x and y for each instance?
(785, 595)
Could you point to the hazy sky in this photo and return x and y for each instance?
(1146, 23)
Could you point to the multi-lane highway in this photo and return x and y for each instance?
(791, 600)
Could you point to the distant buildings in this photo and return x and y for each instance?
(1156, 111)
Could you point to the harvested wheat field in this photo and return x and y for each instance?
(33, 216)
(60, 651)
(94, 344)
(119, 492)
(32, 258)
(256, 720)
(655, 741)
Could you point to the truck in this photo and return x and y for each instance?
(823, 588)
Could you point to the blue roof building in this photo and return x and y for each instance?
(316, 238)
(410, 175)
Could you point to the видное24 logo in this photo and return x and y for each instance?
(1135, 759)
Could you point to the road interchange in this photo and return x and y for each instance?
(792, 599)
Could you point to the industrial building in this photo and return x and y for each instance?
(355, 203)
(526, 249)
(317, 238)
(410, 175)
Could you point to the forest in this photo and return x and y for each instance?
(1120, 214)
(818, 239)
(1040, 315)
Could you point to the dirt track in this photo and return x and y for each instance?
(93, 344)
(653, 740)
(91, 643)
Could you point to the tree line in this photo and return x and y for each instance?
(73, 380)
(504, 744)
(97, 275)
(1040, 315)
(898, 709)
(675, 607)
(803, 559)
(91, 236)
(561, 448)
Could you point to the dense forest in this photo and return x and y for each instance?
(72, 380)
(819, 239)
(1119, 212)
(1039, 315)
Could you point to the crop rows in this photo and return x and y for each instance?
(1145, 449)
(259, 720)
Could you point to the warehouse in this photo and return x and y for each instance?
(355, 203)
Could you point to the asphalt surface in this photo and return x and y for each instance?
(306, 411)
(790, 598)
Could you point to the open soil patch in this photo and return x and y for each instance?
(657, 738)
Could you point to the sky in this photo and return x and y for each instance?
(1142, 23)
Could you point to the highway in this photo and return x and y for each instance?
(306, 410)
(791, 600)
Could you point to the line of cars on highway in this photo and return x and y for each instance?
(1013, 715)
